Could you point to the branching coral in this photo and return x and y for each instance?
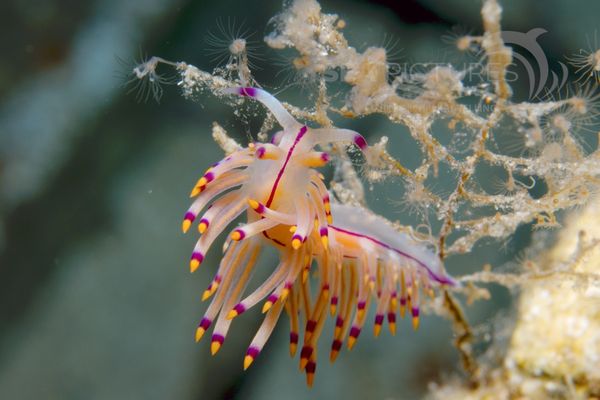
(555, 157)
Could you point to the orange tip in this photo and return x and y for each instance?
(303, 362)
(360, 314)
(253, 204)
(199, 333)
(201, 182)
(325, 241)
(194, 264)
(196, 191)
(202, 227)
(267, 306)
(207, 293)
(310, 377)
(232, 314)
(392, 326)
(248, 360)
(376, 330)
(415, 323)
(236, 235)
(293, 228)
(296, 243)
(284, 294)
(304, 275)
(293, 347)
(351, 342)
(332, 309)
(214, 347)
(333, 355)
(185, 225)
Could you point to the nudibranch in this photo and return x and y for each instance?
(359, 258)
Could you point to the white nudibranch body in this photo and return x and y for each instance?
(358, 257)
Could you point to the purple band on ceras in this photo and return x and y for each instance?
(204, 221)
(272, 298)
(276, 138)
(241, 233)
(260, 152)
(391, 317)
(379, 319)
(336, 345)
(205, 323)
(293, 338)
(239, 308)
(260, 209)
(247, 91)
(306, 352)
(209, 176)
(217, 338)
(360, 142)
(197, 256)
(189, 216)
(216, 281)
(253, 352)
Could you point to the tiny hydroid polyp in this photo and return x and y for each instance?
(359, 258)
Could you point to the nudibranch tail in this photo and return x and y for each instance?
(360, 259)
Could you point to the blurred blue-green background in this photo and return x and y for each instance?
(96, 301)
